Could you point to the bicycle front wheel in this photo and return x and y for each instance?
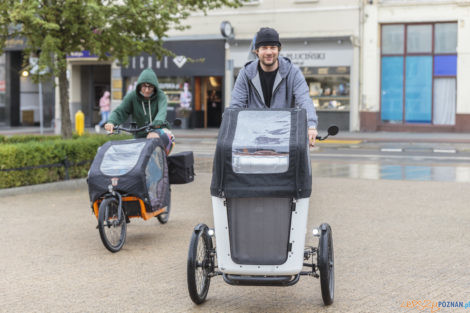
(112, 228)
(163, 217)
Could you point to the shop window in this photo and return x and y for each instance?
(445, 36)
(444, 101)
(393, 39)
(329, 88)
(392, 89)
(419, 39)
(418, 89)
(445, 65)
(173, 88)
(418, 84)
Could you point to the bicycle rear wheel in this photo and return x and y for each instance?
(112, 228)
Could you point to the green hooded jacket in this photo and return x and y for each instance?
(143, 110)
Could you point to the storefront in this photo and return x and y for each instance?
(194, 87)
(419, 74)
(326, 65)
(89, 80)
(19, 95)
(415, 65)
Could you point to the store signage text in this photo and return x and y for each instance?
(192, 58)
(15, 43)
(82, 54)
(304, 57)
(143, 62)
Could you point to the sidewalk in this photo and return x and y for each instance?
(353, 137)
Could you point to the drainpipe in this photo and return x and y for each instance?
(361, 60)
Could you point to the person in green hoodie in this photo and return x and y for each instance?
(147, 104)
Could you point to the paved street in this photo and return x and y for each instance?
(394, 241)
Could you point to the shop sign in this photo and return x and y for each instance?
(180, 60)
(324, 54)
(145, 61)
(207, 59)
(310, 58)
(300, 58)
(2, 86)
(81, 54)
(17, 43)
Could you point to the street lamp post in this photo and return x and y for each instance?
(228, 33)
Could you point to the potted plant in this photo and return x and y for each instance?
(184, 114)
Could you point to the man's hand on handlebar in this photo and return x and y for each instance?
(312, 135)
(152, 135)
(109, 127)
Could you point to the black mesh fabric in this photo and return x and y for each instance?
(138, 167)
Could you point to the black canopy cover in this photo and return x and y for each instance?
(262, 153)
(138, 168)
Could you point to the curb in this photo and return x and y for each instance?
(60, 185)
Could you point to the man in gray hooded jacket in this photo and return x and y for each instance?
(273, 81)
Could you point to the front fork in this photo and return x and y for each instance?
(309, 253)
(120, 212)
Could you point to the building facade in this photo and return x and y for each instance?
(88, 78)
(192, 79)
(23, 102)
(323, 41)
(416, 65)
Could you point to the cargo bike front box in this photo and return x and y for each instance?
(138, 170)
(129, 179)
(260, 191)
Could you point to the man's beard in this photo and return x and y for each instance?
(272, 63)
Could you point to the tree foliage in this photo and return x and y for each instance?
(109, 29)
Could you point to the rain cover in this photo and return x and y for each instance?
(133, 167)
(261, 148)
(262, 153)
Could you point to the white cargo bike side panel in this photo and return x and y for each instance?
(293, 264)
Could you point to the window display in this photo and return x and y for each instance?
(174, 87)
(329, 92)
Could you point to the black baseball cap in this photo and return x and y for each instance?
(267, 37)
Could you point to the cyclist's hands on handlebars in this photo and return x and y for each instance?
(312, 135)
(109, 127)
(152, 135)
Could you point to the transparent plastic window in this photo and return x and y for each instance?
(153, 175)
(120, 159)
(261, 142)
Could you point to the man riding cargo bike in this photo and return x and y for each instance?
(131, 178)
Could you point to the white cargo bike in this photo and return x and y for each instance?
(260, 190)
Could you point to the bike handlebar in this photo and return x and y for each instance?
(118, 128)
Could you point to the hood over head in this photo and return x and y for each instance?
(147, 76)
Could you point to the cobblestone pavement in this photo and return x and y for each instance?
(394, 241)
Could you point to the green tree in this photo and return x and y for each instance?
(110, 29)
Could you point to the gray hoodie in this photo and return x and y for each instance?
(290, 89)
